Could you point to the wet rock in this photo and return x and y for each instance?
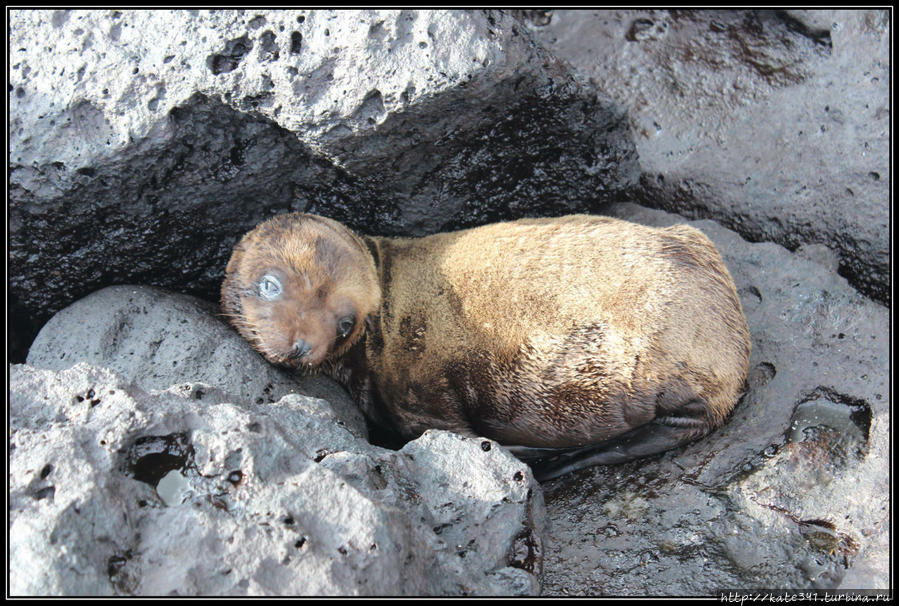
(114, 490)
(793, 491)
(773, 123)
(144, 143)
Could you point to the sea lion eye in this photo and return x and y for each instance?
(345, 326)
(269, 287)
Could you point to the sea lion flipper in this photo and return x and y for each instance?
(659, 435)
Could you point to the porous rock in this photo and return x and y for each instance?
(115, 490)
(774, 123)
(144, 143)
(217, 470)
(792, 492)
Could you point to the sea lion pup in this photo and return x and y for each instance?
(583, 340)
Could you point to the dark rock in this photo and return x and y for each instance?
(793, 491)
(143, 144)
(774, 123)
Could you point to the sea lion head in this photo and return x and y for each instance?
(300, 288)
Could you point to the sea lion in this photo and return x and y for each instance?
(580, 340)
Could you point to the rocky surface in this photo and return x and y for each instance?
(119, 486)
(774, 123)
(793, 492)
(144, 143)
(158, 339)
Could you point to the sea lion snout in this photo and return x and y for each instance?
(300, 350)
(293, 333)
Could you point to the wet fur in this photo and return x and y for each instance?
(540, 333)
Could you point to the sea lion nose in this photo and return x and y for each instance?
(300, 349)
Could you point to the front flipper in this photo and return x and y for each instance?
(659, 435)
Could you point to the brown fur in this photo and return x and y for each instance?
(548, 333)
(327, 272)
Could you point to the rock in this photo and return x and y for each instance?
(793, 491)
(144, 143)
(216, 471)
(157, 339)
(774, 123)
(114, 490)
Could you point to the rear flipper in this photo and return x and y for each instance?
(659, 435)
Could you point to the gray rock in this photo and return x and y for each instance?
(793, 491)
(774, 123)
(144, 143)
(157, 339)
(114, 490)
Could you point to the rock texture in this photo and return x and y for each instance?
(774, 123)
(792, 492)
(158, 339)
(144, 143)
(119, 486)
